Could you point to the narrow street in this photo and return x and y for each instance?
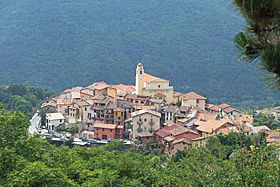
(35, 123)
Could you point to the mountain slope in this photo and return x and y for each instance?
(59, 44)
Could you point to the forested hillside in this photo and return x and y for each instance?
(59, 44)
(22, 98)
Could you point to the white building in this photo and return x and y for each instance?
(53, 120)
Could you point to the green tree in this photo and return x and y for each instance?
(261, 40)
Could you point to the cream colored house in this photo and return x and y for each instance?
(193, 99)
(149, 85)
(54, 120)
(145, 121)
(74, 116)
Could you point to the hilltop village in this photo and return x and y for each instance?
(149, 111)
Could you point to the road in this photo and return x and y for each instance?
(35, 123)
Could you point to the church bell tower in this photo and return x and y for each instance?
(139, 79)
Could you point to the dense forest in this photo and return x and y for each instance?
(22, 97)
(32, 161)
(59, 44)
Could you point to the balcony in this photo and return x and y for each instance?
(151, 122)
(140, 122)
(118, 120)
(139, 129)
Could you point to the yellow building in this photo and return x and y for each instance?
(119, 116)
(154, 87)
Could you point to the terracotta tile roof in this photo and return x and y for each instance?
(67, 90)
(224, 105)
(186, 140)
(98, 97)
(215, 108)
(211, 125)
(162, 133)
(206, 116)
(101, 86)
(224, 131)
(148, 78)
(126, 88)
(173, 130)
(244, 119)
(178, 131)
(159, 95)
(140, 107)
(192, 95)
(198, 123)
(85, 93)
(83, 103)
(229, 109)
(104, 126)
(177, 94)
(208, 105)
(63, 101)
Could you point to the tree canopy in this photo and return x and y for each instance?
(22, 97)
(260, 42)
(31, 161)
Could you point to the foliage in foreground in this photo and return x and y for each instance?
(31, 161)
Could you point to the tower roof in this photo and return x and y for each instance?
(140, 64)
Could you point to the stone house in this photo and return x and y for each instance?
(145, 121)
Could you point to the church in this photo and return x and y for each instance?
(152, 86)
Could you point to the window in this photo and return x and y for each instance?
(136, 101)
(60, 120)
(111, 130)
(145, 119)
(119, 117)
(140, 72)
(85, 108)
(119, 123)
(159, 86)
(121, 113)
(116, 113)
(103, 129)
(197, 101)
(104, 137)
